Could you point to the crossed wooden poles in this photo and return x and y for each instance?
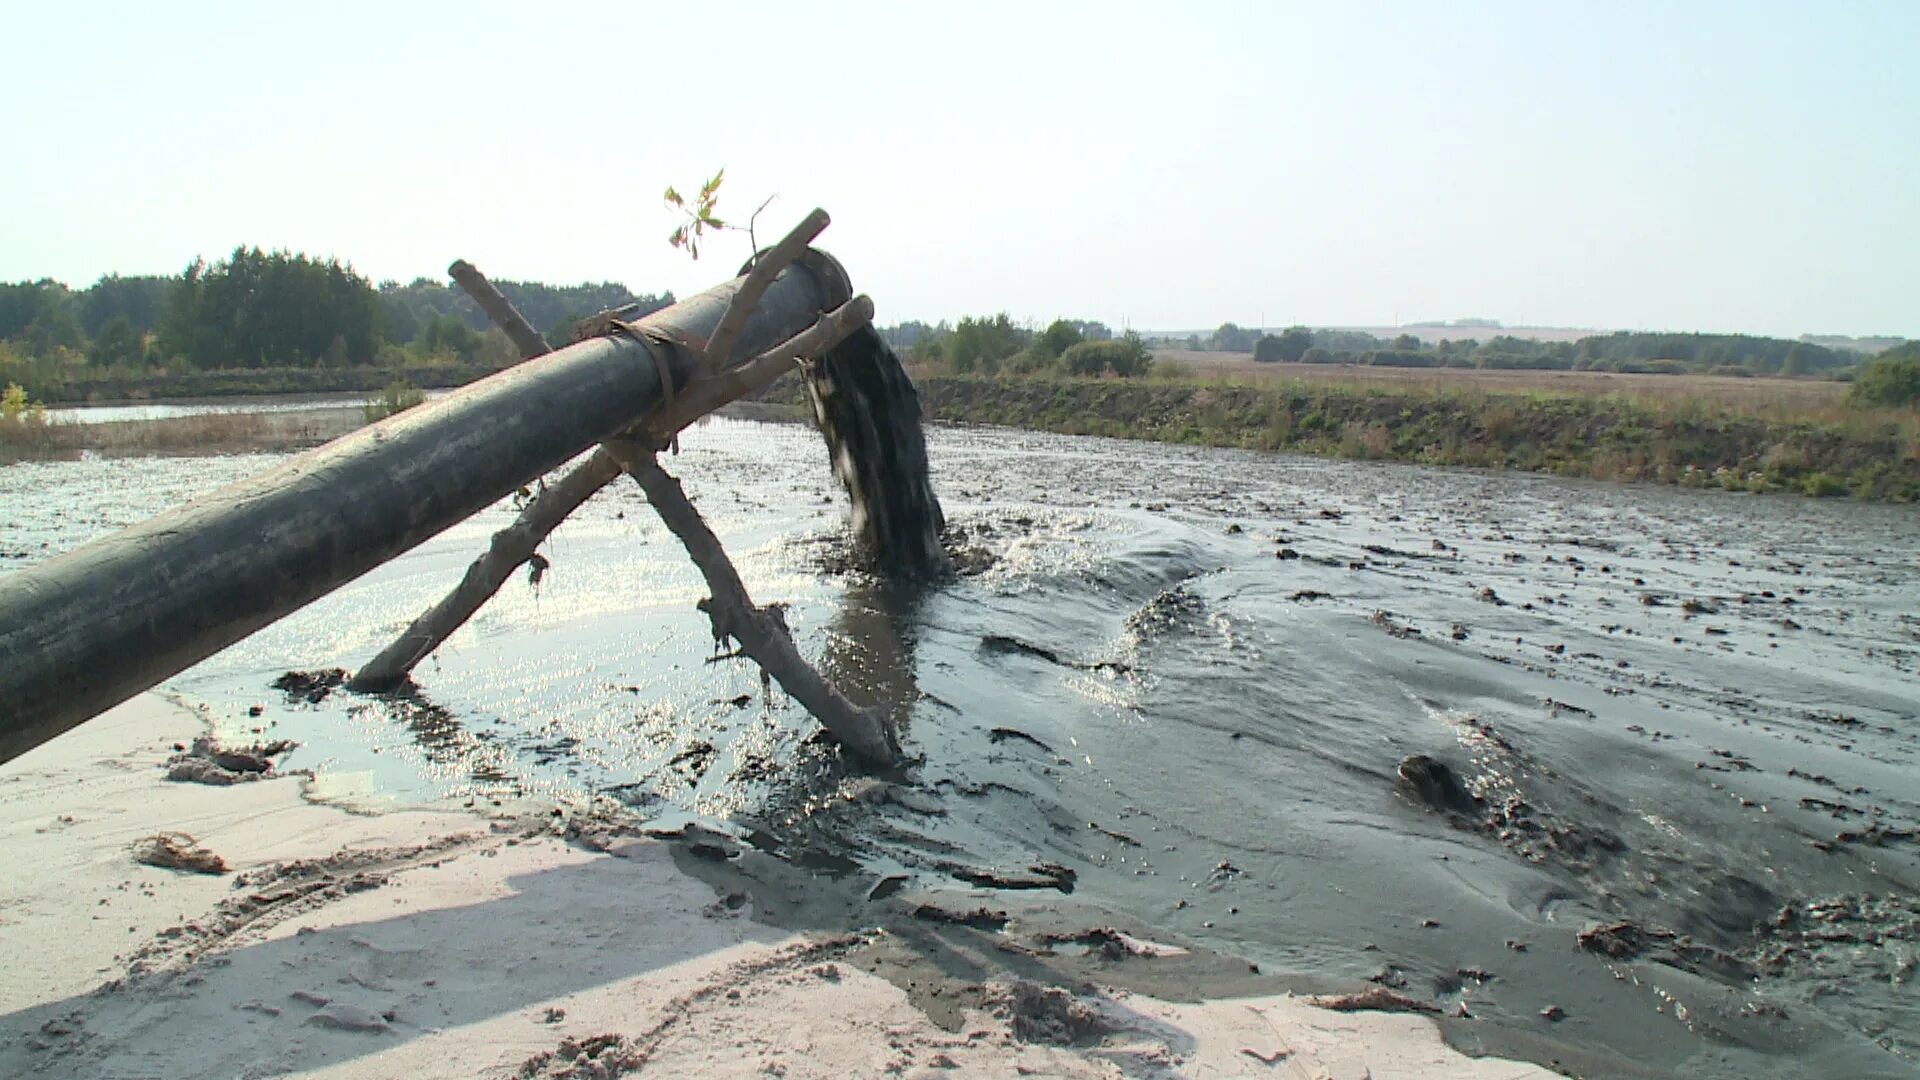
(760, 632)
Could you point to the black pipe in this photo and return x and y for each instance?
(84, 631)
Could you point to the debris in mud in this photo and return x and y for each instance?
(597, 1056)
(205, 762)
(1619, 940)
(1486, 595)
(1045, 1014)
(887, 886)
(338, 1017)
(1104, 941)
(1374, 999)
(692, 761)
(980, 918)
(1286, 553)
(1000, 645)
(1626, 940)
(1117, 837)
(1384, 620)
(1436, 786)
(1004, 734)
(310, 686)
(1169, 609)
(1037, 876)
(1309, 594)
(177, 851)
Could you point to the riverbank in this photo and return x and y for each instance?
(1796, 444)
(62, 387)
(1686, 440)
(206, 433)
(224, 923)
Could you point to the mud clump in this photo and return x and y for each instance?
(206, 762)
(1436, 786)
(1375, 999)
(977, 919)
(1617, 941)
(1046, 1014)
(1038, 876)
(177, 851)
(310, 686)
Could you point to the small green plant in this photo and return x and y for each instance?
(700, 218)
(397, 397)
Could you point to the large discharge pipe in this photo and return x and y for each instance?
(84, 631)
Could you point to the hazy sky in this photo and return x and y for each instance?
(1720, 166)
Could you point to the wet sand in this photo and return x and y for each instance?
(534, 942)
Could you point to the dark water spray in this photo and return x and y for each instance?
(870, 414)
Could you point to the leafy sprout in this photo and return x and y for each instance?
(700, 219)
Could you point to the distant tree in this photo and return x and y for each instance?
(1231, 338)
(1339, 341)
(1286, 348)
(117, 344)
(905, 335)
(1317, 355)
(1057, 338)
(448, 335)
(1799, 360)
(261, 309)
(141, 300)
(41, 315)
(1091, 330)
(1193, 342)
(1406, 343)
(982, 343)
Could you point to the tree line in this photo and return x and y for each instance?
(1622, 351)
(278, 309)
(995, 344)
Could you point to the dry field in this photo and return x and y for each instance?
(1797, 396)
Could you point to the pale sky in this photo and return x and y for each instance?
(1735, 166)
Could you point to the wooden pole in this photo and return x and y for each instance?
(762, 635)
(498, 309)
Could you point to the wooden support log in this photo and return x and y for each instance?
(762, 634)
(509, 548)
(499, 310)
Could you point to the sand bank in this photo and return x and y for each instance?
(441, 943)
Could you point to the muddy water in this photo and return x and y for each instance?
(1191, 678)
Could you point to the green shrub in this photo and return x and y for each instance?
(1126, 357)
(398, 396)
(1823, 486)
(1891, 381)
